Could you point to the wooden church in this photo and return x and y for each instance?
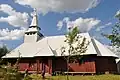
(39, 52)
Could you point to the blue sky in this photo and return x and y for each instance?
(93, 16)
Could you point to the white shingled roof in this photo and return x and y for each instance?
(51, 46)
(102, 50)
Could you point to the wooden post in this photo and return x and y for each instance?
(50, 65)
(38, 65)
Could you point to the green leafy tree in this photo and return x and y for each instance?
(12, 73)
(76, 45)
(114, 37)
(3, 50)
(8, 72)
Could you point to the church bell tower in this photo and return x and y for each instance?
(33, 33)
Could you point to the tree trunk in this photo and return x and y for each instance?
(67, 68)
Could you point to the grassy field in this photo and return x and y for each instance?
(95, 77)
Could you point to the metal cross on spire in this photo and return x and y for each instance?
(35, 11)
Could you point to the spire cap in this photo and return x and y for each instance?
(34, 19)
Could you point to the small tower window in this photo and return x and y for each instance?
(30, 33)
(27, 33)
(33, 32)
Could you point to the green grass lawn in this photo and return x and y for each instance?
(78, 77)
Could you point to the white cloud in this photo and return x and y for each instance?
(72, 6)
(6, 34)
(108, 24)
(104, 26)
(84, 25)
(60, 24)
(16, 19)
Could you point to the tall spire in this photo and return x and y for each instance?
(33, 33)
(34, 20)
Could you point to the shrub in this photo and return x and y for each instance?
(28, 78)
(9, 73)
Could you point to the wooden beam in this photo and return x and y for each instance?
(38, 65)
(50, 65)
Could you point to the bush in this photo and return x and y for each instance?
(9, 73)
(2, 72)
(35, 76)
(12, 76)
(28, 78)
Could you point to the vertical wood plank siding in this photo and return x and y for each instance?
(106, 64)
(89, 64)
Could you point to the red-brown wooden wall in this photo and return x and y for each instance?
(90, 64)
(106, 64)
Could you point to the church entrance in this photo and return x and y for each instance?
(44, 64)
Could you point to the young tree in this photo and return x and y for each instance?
(115, 36)
(76, 45)
(3, 51)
